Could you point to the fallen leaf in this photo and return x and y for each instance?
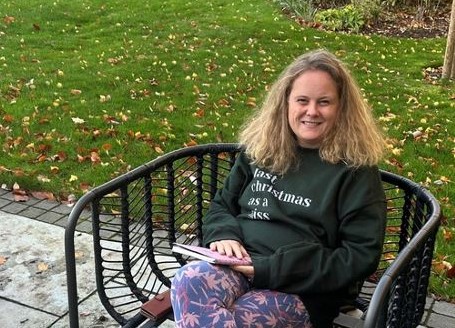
(75, 92)
(43, 178)
(42, 267)
(441, 267)
(389, 257)
(190, 143)
(19, 194)
(447, 234)
(77, 120)
(451, 273)
(3, 260)
(393, 229)
(95, 157)
(43, 195)
(8, 19)
(8, 118)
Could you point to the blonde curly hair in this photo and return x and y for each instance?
(355, 138)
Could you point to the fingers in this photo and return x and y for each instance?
(247, 270)
(229, 248)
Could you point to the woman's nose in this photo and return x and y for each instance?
(311, 109)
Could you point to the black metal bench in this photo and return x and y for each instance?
(137, 216)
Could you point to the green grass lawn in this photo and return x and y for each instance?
(90, 89)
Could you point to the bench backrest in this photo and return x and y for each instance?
(138, 216)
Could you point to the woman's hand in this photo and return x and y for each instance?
(247, 270)
(230, 248)
(234, 248)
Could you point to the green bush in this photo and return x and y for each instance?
(370, 9)
(347, 18)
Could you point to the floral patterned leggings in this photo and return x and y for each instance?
(206, 295)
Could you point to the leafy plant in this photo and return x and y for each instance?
(304, 9)
(370, 9)
(347, 18)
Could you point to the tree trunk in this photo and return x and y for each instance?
(448, 71)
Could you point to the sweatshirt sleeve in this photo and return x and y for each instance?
(220, 222)
(310, 267)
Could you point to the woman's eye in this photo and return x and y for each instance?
(324, 102)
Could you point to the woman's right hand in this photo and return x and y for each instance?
(230, 248)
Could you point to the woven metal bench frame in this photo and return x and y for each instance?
(137, 216)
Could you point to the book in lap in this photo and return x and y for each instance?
(205, 254)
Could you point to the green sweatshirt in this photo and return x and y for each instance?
(316, 230)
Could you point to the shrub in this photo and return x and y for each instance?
(370, 9)
(347, 18)
(304, 9)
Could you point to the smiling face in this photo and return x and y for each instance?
(313, 106)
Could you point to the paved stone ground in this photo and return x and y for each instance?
(33, 281)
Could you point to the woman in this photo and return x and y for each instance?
(304, 201)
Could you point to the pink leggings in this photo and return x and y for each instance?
(206, 295)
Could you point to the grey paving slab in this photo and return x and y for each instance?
(4, 192)
(47, 205)
(444, 308)
(32, 212)
(4, 202)
(440, 321)
(7, 195)
(50, 217)
(62, 209)
(14, 315)
(14, 207)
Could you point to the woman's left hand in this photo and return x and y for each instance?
(247, 270)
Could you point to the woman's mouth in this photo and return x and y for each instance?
(311, 123)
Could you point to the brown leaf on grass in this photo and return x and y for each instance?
(40, 158)
(447, 234)
(251, 102)
(84, 186)
(389, 257)
(95, 157)
(59, 157)
(36, 27)
(393, 229)
(451, 273)
(199, 113)
(80, 158)
(8, 118)
(158, 150)
(190, 143)
(106, 147)
(441, 266)
(75, 92)
(8, 19)
(396, 163)
(17, 172)
(224, 103)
